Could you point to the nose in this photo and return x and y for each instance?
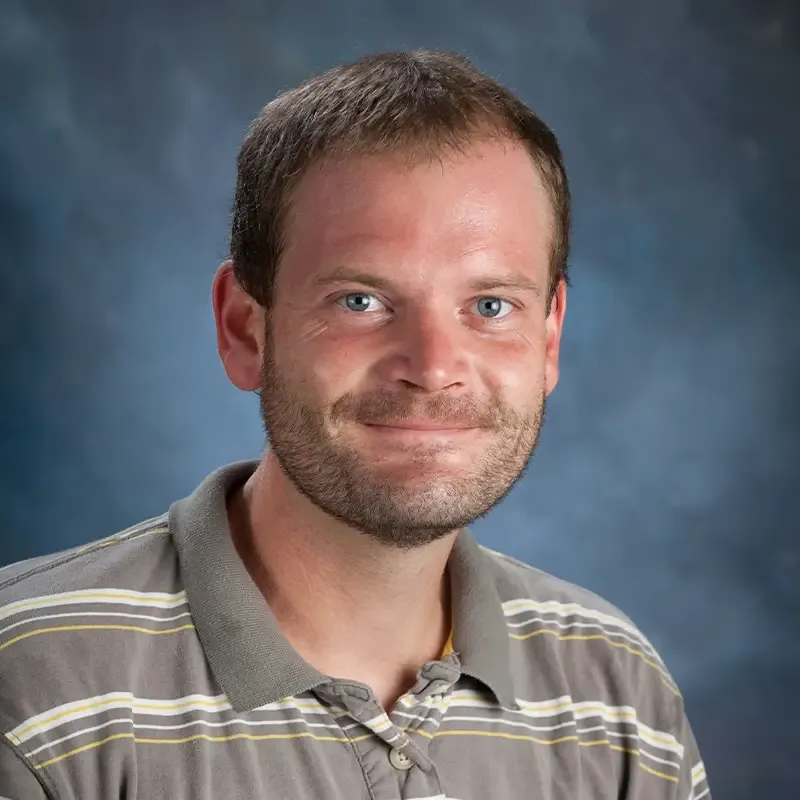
(429, 352)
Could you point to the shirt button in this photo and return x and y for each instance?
(399, 760)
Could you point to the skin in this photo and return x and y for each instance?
(390, 313)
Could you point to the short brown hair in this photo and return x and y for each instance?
(412, 101)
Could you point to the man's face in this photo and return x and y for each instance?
(412, 297)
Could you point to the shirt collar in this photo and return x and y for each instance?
(252, 660)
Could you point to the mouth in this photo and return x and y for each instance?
(420, 425)
(418, 431)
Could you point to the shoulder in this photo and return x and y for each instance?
(518, 581)
(71, 621)
(123, 560)
(596, 650)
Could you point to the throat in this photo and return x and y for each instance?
(348, 605)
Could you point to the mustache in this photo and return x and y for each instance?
(384, 407)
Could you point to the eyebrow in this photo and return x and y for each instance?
(514, 281)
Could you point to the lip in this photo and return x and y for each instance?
(419, 435)
(421, 425)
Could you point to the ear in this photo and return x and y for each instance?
(240, 324)
(553, 326)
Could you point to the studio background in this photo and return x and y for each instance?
(666, 479)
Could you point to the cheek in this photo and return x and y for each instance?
(324, 373)
(521, 388)
(519, 369)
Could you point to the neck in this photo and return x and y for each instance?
(351, 606)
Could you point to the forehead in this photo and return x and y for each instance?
(488, 195)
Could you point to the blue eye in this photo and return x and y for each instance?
(357, 301)
(491, 307)
(488, 307)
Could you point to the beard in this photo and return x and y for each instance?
(405, 505)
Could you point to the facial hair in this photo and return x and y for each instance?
(420, 505)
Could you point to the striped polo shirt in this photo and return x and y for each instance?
(148, 665)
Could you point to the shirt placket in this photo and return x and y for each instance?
(393, 748)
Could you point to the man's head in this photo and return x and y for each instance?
(398, 258)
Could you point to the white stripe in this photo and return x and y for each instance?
(583, 710)
(550, 728)
(61, 715)
(595, 625)
(121, 614)
(643, 752)
(589, 709)
(429, 797)
(660, 739)
(69, 712)
(509, 723)
(621, 735)
(379, 723)
(698, 775)
(193, 723)
(621, 715)
(466, 698)
(398, 735)
(80, 709)
(513, 608)
(123, 597)
(305, 706)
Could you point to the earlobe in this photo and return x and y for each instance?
(554, 326)
(240, 330)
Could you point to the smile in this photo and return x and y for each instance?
(413, 431)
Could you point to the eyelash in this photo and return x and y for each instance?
(515, 305)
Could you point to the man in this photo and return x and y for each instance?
(321, 624)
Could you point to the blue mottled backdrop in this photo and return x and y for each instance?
(667, 476)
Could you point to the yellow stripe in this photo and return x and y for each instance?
(601, 708)
(319, 738)
(632, 750)
(138, 705)
(498, 735)
(585, 637)
(661, 740)
(253, 737)
(597, 710)
(40, 602)
(521, 737)
(552, 707)
(85, 747)
(60, 628)
(605, 711)
(204, 737)
(657, 773)
(654, 738)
